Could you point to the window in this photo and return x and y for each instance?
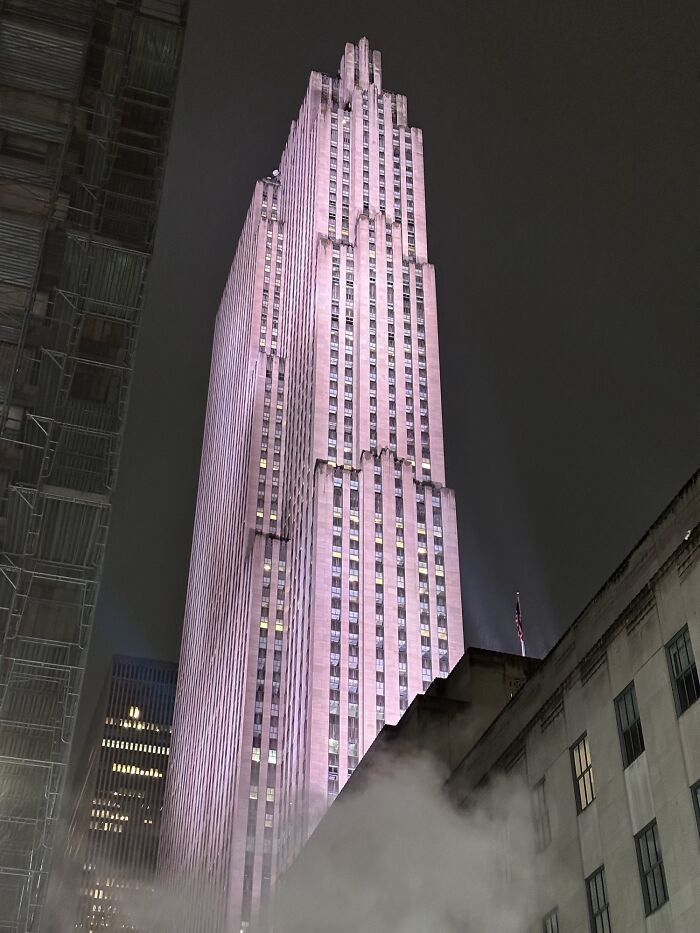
(695, 791)
(651, 868)
(550, 924)
(583, 773)
(543, 832)
(598, 902)
(684, 673)
(629, 725)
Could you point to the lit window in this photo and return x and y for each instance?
(684, 673)
(651, 868)
(598, 906)
(583, 773)
(629, 725)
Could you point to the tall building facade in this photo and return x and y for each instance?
(115, 832)
(324, 584)
(603, 735)
(86, 95)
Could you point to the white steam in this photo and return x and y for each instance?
(398, 857)
(394, 856)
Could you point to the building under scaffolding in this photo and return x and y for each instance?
(86, 97)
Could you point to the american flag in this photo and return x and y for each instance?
(519, 620)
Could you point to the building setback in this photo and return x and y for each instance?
(86, 95)
(324, 582)
(605, 733)
(115, 832)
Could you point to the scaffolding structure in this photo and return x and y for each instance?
(86, 96)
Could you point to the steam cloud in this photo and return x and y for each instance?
(397, 857)
(393, 857)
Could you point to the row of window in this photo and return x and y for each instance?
(686, 690)
(651, 875)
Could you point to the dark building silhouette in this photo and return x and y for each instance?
(86, 96)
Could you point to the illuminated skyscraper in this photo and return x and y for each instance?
(324, 581)
(114, 836)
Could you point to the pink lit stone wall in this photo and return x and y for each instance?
(324, 583)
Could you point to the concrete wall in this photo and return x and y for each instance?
(620, 638)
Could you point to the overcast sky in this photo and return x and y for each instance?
(561, 158)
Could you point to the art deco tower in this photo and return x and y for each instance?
(324, 582)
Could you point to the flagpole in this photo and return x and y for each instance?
(520, 615)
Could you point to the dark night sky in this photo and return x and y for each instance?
(561, 166)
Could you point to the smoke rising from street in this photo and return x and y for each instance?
(393, 856)
(398, 857)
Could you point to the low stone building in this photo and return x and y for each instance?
(605, 736)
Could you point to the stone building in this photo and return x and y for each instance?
(324, 580)
(605, 736)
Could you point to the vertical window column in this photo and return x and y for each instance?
(582, 769)
(349, 355)
(423, 584)
(345, 216)
(651, 868)
(391, 371)
(334, 354)
(598, 904)
(365, 152)
(333, 176)
(684, 672)
(373, 350)
(382, 162)
(335, 638)
(410, 213)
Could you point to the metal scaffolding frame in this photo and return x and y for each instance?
(86, 96)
